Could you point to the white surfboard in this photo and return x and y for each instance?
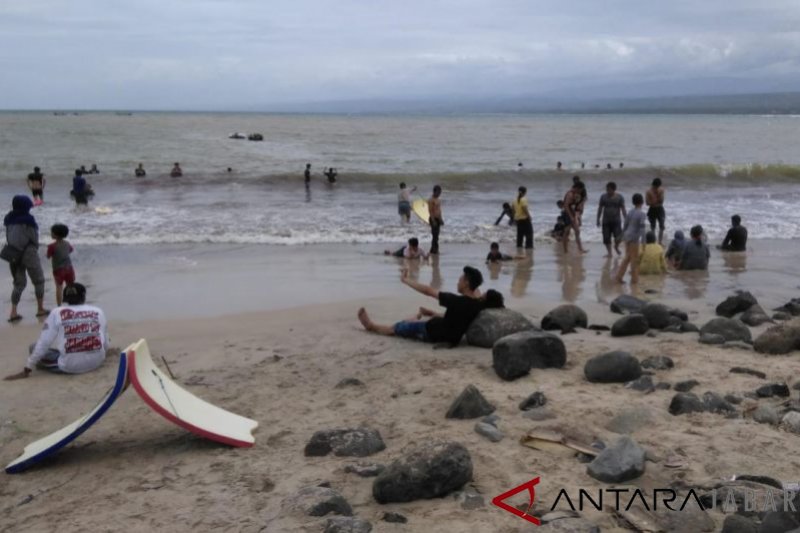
(181, 406)
(47, 446)
(420, 208)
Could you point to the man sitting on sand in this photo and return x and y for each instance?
(80, 334)
(736, 239)
(461, 310)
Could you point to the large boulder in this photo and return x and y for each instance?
(738, 303)
(612, 367)
(633, 324)
(684, 403)
(729, 328)
(433, 470)
(566, 318)
(470, 404)
(515, 355)
(780, 339)
(658, 316)
(358, 442)
(491, 325)
(755, 316)
(627, 304)
(620, 462)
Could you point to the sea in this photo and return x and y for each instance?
(712, 166)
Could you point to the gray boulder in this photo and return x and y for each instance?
(766, 414)
(781, 339)
(627, 304)
(490, 431)
(358, 442)
(612, 367)
(781, 315)
(317, 501)
(658, 316)
(565, 318)
(688, 327)
(729, 328)
(773, 389)
(736, 523)
(631, 419)
(469, 404)
(686, 386)
(711, 339)
(658, 362)
(644, 384)
(791, 421)
(633, 324)
(779, 522)
(621, 462)
(515, 355)
(492, 325)
(738, 303)
(431, 471)
(792, 307)
(715, 403)
(755, 316)
(347, 524)
(685, 403)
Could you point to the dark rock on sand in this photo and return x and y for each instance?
(612, 367)
(715, 403)
(684, 403)
(347, 524)
(686, 386)
(515, 355)
(773, 389)
(731, 329)
(627, 304)
(658, 362)
(792, 307)
(492, 325)
(781, 339)
(394, 518)
(566, 318)
(644, 384)
(683, 316)
(432, 470)
(711, 339)
(490, 431)
(537, 399)
(623, 461)
(350, 382)
(358, 442)
(733, 399)
(633, 324)
(755, 316)
(318, 501)
(688, 327)
(658, 316)
(779, 522)
(663, 385)
(781, 315)
(736, 523)
(749, 371)
(469, 404)
(738, 303)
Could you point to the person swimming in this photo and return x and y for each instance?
(140, 171)
(331, 175)
(176, 171)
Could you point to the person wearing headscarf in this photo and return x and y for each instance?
(22, 233)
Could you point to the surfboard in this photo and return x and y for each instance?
(183, 408)
(47, 446)
(420, 208)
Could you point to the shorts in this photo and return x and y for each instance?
(404, 209)
(656, 214)
(37, 193)
(408, 329)
(612, 228)
(64, 275)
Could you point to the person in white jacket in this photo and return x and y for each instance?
(74, 337)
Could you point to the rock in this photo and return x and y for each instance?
(748, 371)
(347, 524)
(470, 499)
(630, 420)
(359, 442)
(644, 384)
(350, 382)
(731, 329)
(489, 431)
(791, 421)
(663, 385)
(796, 386)
(717, 404)
(658, 362)
(469, 404)
(364, 469)
(598, 327)
(688, 327)
(633, 324)
(566, 318)
(685, 403)
(736, 523)
(515, 355)
(672, 328)
(755, 316)
(792, 307)
(710, 338)
(491, 419)
(766, 414)
(779, 522)
(683, 316)
(612, 367)
(738, 303)
(491, 325)
(430, 471)
(658, 316)
(781, 315)
(540, 414)
(780, 339)
(733, 399)
(621, 462)
(773, 389)
(537, 399)
(686, 386)
(627, 304)
(317, 501)
(394, 518)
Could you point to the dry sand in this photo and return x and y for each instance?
(137, 472)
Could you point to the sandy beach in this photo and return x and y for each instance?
(280, 365)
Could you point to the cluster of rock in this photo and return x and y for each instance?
(640, 316)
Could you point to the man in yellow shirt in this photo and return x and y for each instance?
(522, 218)
(651, 259)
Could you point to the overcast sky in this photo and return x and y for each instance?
(169, 54)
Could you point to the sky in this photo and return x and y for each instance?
(251, 54)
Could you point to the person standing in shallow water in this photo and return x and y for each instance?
(436, 221)
(654, 198)
(634, 233)
(36, 183)
(404, 203)
(611, 211)
(522, 218)
(22, 234)
(307, 175)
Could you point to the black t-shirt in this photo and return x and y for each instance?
(461, 311)
(736, 239)
(36, 179)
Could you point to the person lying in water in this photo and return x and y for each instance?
(461, 310)
(411, 251)
(496, 256)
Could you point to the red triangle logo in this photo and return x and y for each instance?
(529, 486)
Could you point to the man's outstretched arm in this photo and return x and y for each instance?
(419, 287)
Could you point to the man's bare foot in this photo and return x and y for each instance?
(363, 317)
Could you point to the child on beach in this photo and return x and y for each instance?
(651, 260)
(495, 255)
(412, 251)
(58, 252)
(561, 222)
(633, 233)
(675, 249)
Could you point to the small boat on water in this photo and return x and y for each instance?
(255, 137)
(236, 135)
